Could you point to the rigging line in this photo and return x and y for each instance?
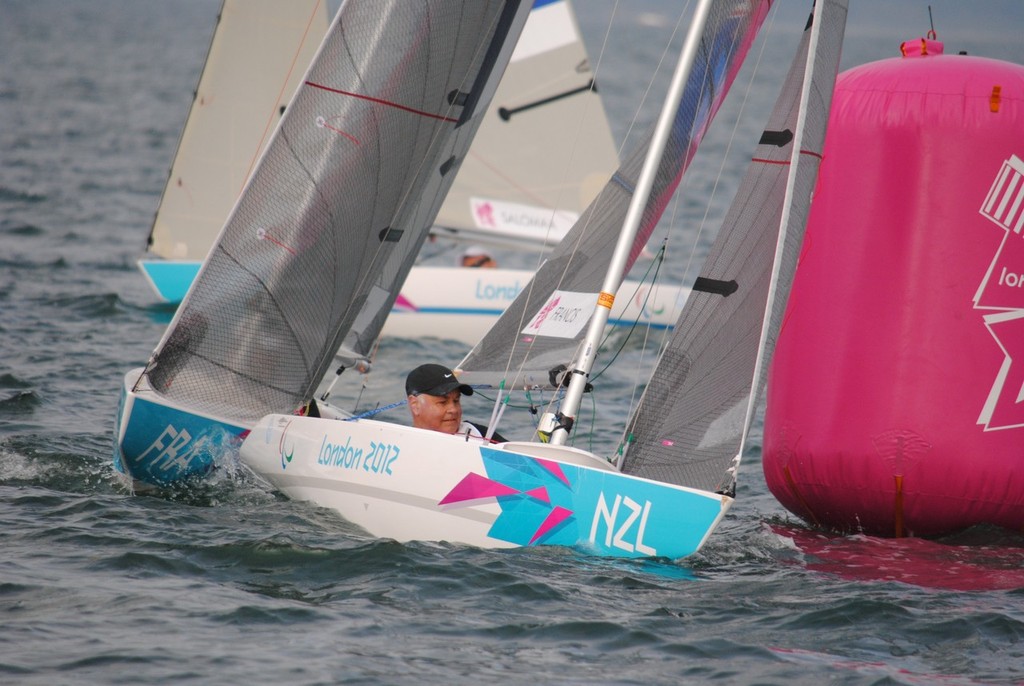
(657, 70)
(375, 411)
(637, 376)
(686, 181)
(366, 375)
(636, 322)
(650, 84)
(522, 319)
(480, 391)
(578, 132)
(280, 94)
(593, 423)
(528, 192)
(577, 136)
(663, 250)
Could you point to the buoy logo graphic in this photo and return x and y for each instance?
(1001, 295)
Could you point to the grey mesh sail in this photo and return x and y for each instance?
(580, 261)
(695, 412)
(329, 224)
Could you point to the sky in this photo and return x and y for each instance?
(988, 28)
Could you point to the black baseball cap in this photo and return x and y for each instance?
(434, 379)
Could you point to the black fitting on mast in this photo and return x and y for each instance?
(561, 422)
(558, 377)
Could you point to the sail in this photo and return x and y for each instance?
(525, 180)
(259, 52)
(337, 208)
(694, 415)
(540, 330)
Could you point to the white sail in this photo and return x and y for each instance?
(545, 147)
(259, 52)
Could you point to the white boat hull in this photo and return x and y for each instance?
(461, 303)
(458, 303)
(409, 484)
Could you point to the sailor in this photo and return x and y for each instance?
(435, 402)
(476, 256)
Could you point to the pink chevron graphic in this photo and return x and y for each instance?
(557, 516)
(554, 468)
(474, 487)
(403, 304)
(540, 493)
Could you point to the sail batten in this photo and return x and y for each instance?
(691, 425)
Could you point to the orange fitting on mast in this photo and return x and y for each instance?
(605, 300)
(995, 99)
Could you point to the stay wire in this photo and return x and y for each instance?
(656, 264)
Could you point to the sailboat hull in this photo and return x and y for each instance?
(456, 303)
(388, 480)
(159, 443)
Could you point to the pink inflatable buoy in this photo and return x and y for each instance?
(895, 401)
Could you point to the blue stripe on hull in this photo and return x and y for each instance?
(601, 512)
(170, 279)
(163, 445)
(468, 311)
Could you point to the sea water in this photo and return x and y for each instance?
(230, 583)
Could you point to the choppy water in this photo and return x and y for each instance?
(232, 584)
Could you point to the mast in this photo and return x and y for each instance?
(583, 364)
(692, 422)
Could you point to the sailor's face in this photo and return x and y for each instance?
(437, 412)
